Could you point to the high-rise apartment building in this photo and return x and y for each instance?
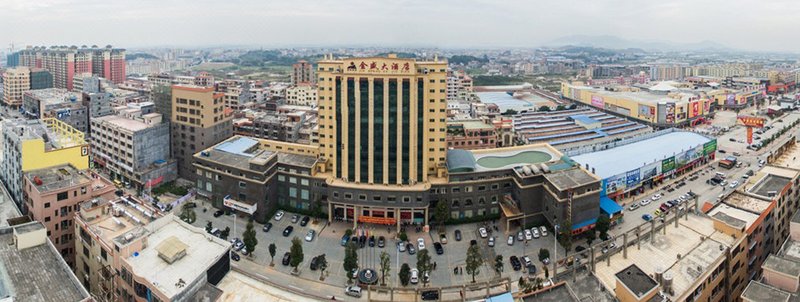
(199, 120)
(134, 146)
(65, 62)
(382, 120)
(15, 82)
(52, 196)
(302, 72)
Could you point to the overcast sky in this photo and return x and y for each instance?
(764, 25)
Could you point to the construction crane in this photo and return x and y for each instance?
(750, 122)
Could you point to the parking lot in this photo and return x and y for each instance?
(328, 241)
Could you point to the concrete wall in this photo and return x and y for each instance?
(779, 280)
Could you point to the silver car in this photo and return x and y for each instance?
(510, 240)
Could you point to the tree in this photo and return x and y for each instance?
(602, 225)
(498, 263)
(188, 214)
(509, 112)
(544, 108)
(561, 107)
(272, 250)
(474, 261)
(296, 253)
(348, 232)
(323, 265)
(591, 235)
(249, 238)
(440, 212)
(424, 264)
(404, 274)
(350, 260)
(403, 237)
(209, 227)
(565, 235)
(386, 266)
(544, 254)
(224, 234)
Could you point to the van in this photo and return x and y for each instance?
(720, 175)
(353, 291)
(118, 183)
(215, 232)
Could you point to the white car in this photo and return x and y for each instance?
(656, 197)
(420, 244)
(483, 232)
(543, 230)
(644, 202)
(510, 240)
(535, 232)
(734, 184)
(528, 235)
(310, 235)
(491, 241)
(401, 246)
(279, 215)
(414, 276)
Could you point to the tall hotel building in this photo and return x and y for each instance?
(382, 120)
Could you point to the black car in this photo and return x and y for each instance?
(579, 248)
(267, 227)
(314, 263)
(119, 193)
(531, 269)
(515, 263)
(235, 256)
(473, 242)
(458, 235)
(288, 230)
(411, 249)
(219, 213)
(362, 240)
(304, 222)
(430, 295)
(286, 258)
(381, 242)
(438, 247)
(371, 241)
(721, 151)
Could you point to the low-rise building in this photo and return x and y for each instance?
(52, 196)
(780, 272)
(33, 269)
(293, 124)
(134, 146)
(302, 95)
(470, 135)
(125, 241)
(57, 103)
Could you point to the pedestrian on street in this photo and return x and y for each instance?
(434, 265)
(461, 270)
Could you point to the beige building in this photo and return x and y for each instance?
(199, 120)
(15, 82)
(302, 73)
(382, 120)
(302, 95)
(124, 241)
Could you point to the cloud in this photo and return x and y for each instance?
(744, 24)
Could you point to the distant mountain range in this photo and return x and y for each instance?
(614, 42)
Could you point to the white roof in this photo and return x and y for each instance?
(625, 158)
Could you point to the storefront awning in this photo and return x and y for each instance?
(609, 206)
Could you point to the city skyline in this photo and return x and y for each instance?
(481, 24)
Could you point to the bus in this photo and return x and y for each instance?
(727, 164)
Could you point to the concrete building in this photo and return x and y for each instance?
(459, 85)
(303, 73)
(86, 82)
(161, 96)
(33, 268)
(98, 103)
(36, 144)
(131, 238)
(199, 120)
(134, 146)
(16, 81)
(59, 104)
(293, 124)
(302, 95)
(67, 62)
(470, 135)
(238, 97)
(52, 196)
(780, 272)
(41, 79)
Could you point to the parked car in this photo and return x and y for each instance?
(414, 276)
(235, 256)
(313, 265)
(443, 238)
(580, 248)
(633, 207)
(287, 231)
(644, 202)
(310, 235)
(473, 242)
(381, 242)
(401, 247)
(656, 197)
(520, 236)
(345, 239)
(647, 217)
(543, 229)
(491, 241)
(515, 263)
(371, 241)
(286, 258)
(411, 249)
(279, 215)
(483, 233)
(458, 235)
(430, 295)
(528, 235)
(535, 232)
(295, 218)
(421, 243)
(527, 260)
(510, 240)
(438, 247)
(267, 227)
(362, 240)
(218, 213)
(305, 220)
(353, 291)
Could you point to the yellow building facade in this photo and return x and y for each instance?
(72, 148)
(382, 119)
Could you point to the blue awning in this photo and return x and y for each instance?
(584, 223)
(609, 206)
(507, 297)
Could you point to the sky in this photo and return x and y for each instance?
(754, 25)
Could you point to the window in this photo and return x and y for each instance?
(281, 178)
(61, 196)
(293, 192)
(362, 197)
(242, 184)
(104, 254)
(293, 180)
(304, 194)
(348, 196)
(46, 205)
(304, 181)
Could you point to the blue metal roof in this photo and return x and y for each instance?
(584, 223)
(609, 206)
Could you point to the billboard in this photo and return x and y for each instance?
(694, 109)
(730, 100)
(646, 111)
(668, 164)
(710, 147)
(650, 170)
(670, 113)
(688, 156)
(615, 183)
(598, 102)
(632, 178)
(239, 206)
